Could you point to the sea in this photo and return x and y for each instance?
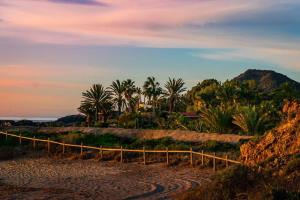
(34, 119)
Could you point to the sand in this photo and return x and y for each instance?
(49, 178)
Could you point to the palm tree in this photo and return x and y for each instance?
(96, 96)
(88, 111)
(139, 96)
(217, 119)
(129, 90)
(251, 121)
(106, 110)
(152, 91)
(228, 92)
(174, 87)
(117, 89)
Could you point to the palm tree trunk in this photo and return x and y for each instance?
(96, 114)
(119, 108)
(171, 106)
(88, 120)
(153, 107)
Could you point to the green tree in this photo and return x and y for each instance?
(217, 119)
(96, 96)
(138, 97)
(88, 110)
(203, 94)
(229, 92)
(129, 91)
(174, 88)
(117, 90)
(251, 121)
(152, 91)
(106, 110)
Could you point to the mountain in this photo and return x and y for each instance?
(70, 120)
(267, 80)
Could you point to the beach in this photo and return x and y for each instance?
(50, 178)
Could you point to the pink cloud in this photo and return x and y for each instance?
(124, 21)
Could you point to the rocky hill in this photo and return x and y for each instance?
(70, 120)
(267, 80)
(277, 145)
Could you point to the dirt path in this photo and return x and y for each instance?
(46, 178)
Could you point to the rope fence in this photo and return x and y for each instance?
(101, 149)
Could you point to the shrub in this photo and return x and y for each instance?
(217, 119)
(292, 166)
(7, 152)
(227, 184)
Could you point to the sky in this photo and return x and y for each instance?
(52, 50)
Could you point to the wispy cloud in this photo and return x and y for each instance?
(81, 2)
(233, 24)
(231, 30)
(277, 56)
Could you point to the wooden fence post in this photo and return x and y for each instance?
(167, 155)
(226, 161)
(63, 147)
(214, 162)
(121, 154)
(214, 157)
(144, 155)
(101, 152)
(191, 156)
(48, 145)
(202, 158)
(34, 142)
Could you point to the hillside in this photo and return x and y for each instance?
(279, 143)
(267, 80)
(70, 120)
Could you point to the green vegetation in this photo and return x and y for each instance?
(239, 106)
(241, 182)
(111, 140)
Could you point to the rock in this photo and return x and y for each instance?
(281, 142)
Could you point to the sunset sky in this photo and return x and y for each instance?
(52, 50)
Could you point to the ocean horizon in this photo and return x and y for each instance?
(34, 119)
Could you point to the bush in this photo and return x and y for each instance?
(7, 152)
(128, 120)
(215, 146)
(292, 166)
(228, 184)
(71, 138)
(281, 194)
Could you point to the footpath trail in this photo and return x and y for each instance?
(48, 178)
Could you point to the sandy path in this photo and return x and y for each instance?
(46, 178)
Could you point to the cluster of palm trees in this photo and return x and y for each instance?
(249, 120)
(234, 107)
(125, 96)
(229, 107)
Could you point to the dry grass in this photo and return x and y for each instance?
(180, 135)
